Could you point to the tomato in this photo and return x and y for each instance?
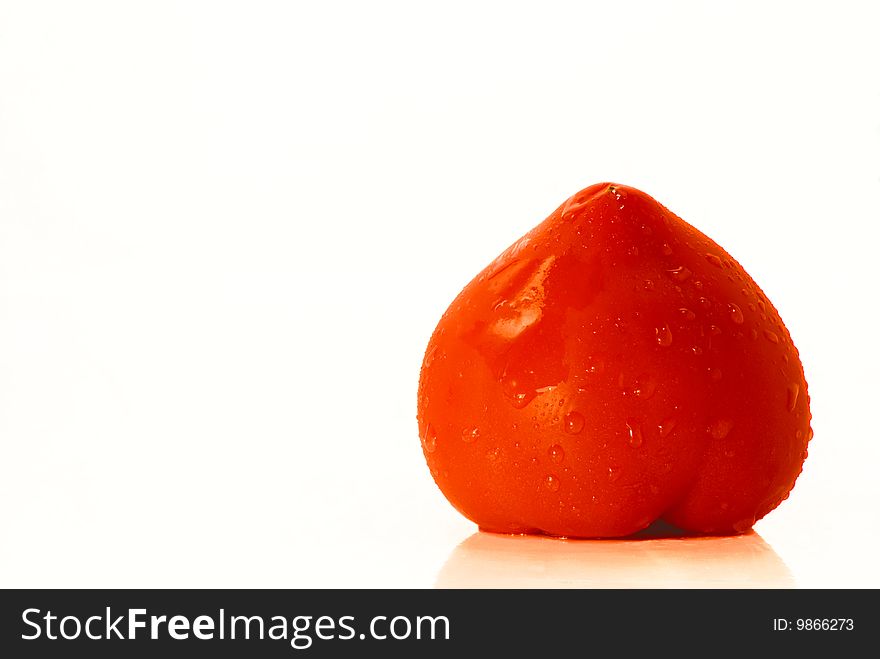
(613, 367)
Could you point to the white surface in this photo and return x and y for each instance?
(228, 229)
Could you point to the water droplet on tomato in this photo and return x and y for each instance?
(519, 396)
(664, 336)
(635, 433)
(594, 366)
(771, 336)
(429, 439)
(613, 473)
(714, 260)
(493, 454)
(520, 399)
(736, 314)
(574, 423)
(644, 387)
(681, 273)
(687, 314)
(429, 358)
(721, 428)
(551, 482)
(556, 453)
(793, 391)
(469, 435)
(666, 249)
(666, 427)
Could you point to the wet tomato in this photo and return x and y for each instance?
(611, 368)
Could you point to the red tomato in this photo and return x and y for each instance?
(613, 367)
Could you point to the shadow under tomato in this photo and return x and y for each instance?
(658, 557)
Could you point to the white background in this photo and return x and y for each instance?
(227, 231)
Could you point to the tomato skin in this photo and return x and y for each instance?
(613, 367)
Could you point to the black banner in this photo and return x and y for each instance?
(288, 623)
